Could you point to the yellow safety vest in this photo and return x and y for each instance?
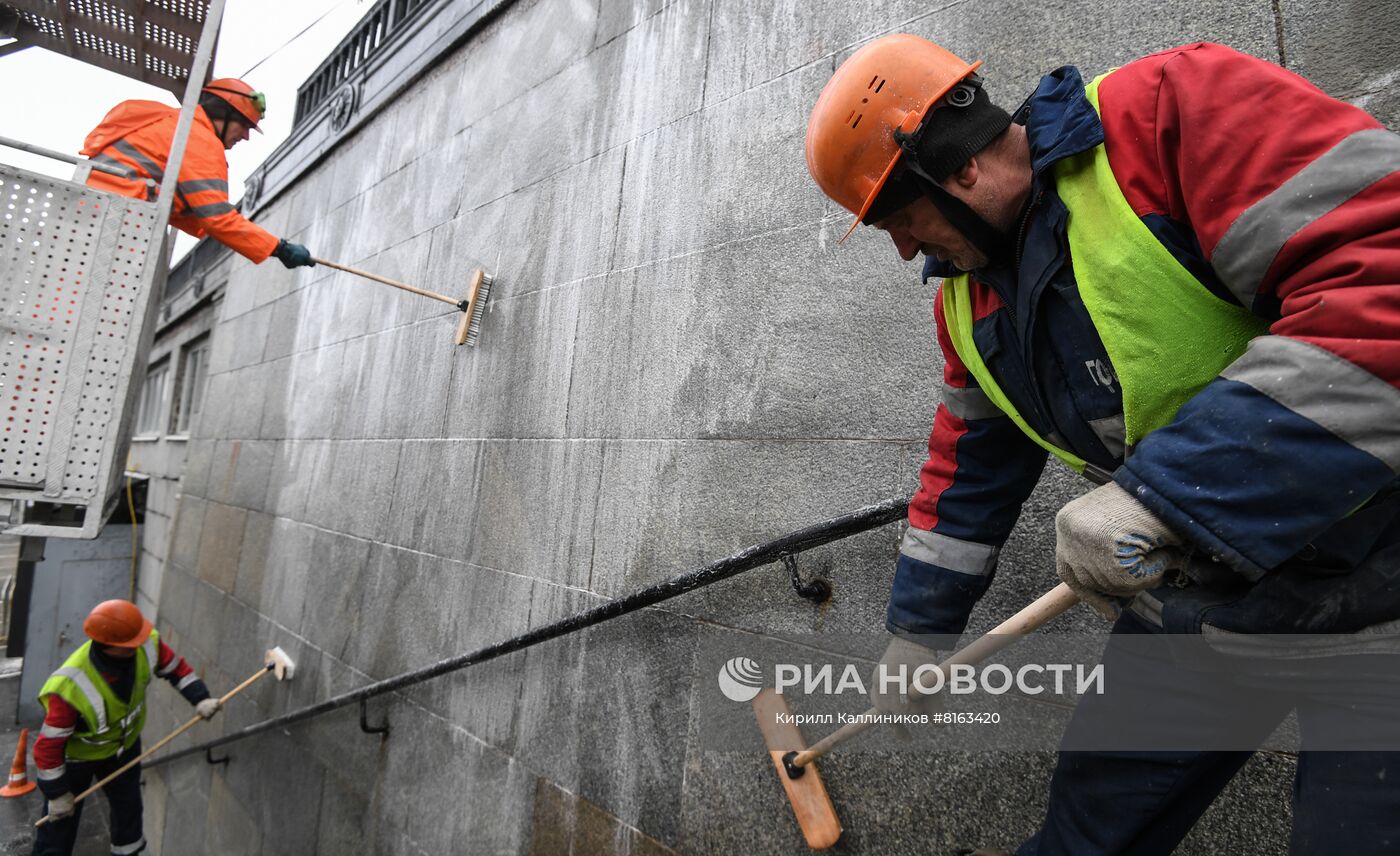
(109, 724)
(1166, 334)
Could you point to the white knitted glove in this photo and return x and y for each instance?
(910, 655)
(208, 708)
(1108, 543)
(61, 807)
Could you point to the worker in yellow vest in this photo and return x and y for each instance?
(94, 710)
(1180, 280)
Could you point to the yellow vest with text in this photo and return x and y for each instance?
(109, 725)
(1165, 333)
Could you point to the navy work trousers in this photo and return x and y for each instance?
(1126, 801)
(123, 793)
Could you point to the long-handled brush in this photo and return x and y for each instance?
(810, 803)
(275, 661)
(478, 288)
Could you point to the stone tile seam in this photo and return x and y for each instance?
(388, 514)
(595, 156)
(709, 38)
(510, 759)
(617, 215)
(620, 822)
(597, 504)
(330, 343)
(317, 528)
(194, 577)
(820, 221)
(623, 144)
(369, 542)
(327, 343)
(662, 10)
(328, 273)
(644, 134)
(598, 46)
(365, 677)
(556, 173)
(1279, 27)
(901, 27)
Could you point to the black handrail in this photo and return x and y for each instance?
(835, 529)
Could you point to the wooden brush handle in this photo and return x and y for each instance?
(163, 741)
(384, 279)
(1045, 607)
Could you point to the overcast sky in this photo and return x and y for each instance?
(50, 100)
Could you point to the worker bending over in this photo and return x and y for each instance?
(137, 136)
(1182, 279)
(94, 710)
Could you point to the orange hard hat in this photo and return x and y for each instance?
(250, 103)
(117, 623)
(887, 86)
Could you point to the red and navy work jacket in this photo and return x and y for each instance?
(62, 719)
(1277, 198)
(137, 135)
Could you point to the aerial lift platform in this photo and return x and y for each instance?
(81, 270)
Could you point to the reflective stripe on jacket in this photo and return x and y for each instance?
(137, 135)
(1277, 199)
(108, 724)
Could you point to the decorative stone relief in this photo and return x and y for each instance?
(252, 191)
(344, 104)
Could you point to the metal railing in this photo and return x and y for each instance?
(367, 39)
(835, 529)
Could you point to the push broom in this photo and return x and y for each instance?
(471, 306)
(796, 768)
(275, 661)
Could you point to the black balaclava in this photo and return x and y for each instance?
(960, 126)
(217, 108)
(121, 668)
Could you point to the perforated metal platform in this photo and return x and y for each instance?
(76, 281)
(150, 40)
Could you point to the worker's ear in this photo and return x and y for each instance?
(965, 176)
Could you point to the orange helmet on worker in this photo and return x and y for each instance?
(117, 623)
(896, 120)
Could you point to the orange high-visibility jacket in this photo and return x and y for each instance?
(137, 135)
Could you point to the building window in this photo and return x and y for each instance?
(148, 420)
(189, 385)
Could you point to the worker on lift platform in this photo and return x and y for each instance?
(136, 135)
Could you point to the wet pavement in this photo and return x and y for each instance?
(18, 814)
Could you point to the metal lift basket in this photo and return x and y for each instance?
(78, 276)
(81, 269)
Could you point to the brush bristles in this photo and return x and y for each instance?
(477, 310)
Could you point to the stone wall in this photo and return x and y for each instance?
(678, 361)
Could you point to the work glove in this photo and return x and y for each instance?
(293, 255)
(208, 708)
(1107, 544)
(910, 655)
(61, 807)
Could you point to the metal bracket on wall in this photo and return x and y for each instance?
(817, 590)
(382, 730)
(209, 756)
